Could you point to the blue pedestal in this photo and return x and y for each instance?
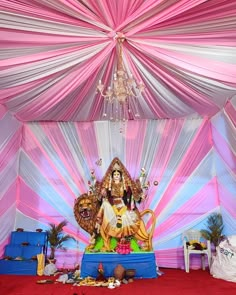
(143, 263)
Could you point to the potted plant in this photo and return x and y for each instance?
(214, 229)
(56, 237)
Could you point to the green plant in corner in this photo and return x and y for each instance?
(214, 229)
(56, 237)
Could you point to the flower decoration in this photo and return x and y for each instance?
(99, 162)
(196, 245)
(146, 185)
(92, 173)
(7, 258)
(142, 176)
(19, 258)
(124, 246)
(91, 188)
(143, 172)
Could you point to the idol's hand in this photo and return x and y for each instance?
(104, 192)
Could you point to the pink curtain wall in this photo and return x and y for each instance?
(10, 142)
(52, 129)
(53, 53)
(45, 167)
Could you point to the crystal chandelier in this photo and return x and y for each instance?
(121, 98)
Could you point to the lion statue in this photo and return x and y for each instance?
(110, 210)
(85, 211)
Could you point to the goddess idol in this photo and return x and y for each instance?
(118, 210)
(117, 214)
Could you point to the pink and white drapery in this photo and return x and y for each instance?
(52, 55)
(45, 166)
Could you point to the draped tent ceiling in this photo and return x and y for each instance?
(54, 52)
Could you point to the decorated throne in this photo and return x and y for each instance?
(109, 213)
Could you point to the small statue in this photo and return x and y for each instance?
(100, 277)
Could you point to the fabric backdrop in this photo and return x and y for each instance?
(52, 128)
(46, 166)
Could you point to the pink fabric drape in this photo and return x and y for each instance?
(54, 53)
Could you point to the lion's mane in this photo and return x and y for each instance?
(85, 211)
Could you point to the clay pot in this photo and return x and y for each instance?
(130, 273)
(119, 272)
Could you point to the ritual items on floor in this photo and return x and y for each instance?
(121, 276)
(41, 264)
(50, 269)
(101, 277)
(45, 282)
(119, 272)
(130, 274)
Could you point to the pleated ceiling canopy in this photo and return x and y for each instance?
(54, 52)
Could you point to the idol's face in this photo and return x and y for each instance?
(116, 176)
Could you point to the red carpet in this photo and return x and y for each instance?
(173, 281)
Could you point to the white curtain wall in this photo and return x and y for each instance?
(45, 166)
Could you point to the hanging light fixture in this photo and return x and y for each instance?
(121, 98)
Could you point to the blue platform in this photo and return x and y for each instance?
(143, 263)
(36, 244)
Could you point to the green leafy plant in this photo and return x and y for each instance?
(56, 237)
(214, 229)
